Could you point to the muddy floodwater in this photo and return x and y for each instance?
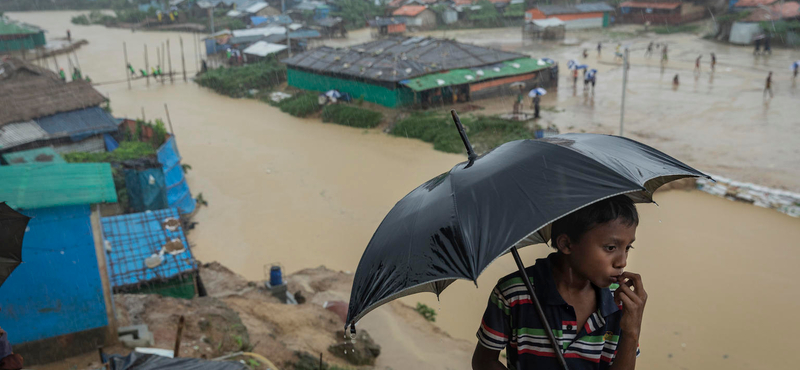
(720, 275)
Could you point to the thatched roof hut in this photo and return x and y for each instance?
(28, 92)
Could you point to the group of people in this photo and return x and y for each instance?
(697, 62)
(76, 75)
(154, 71)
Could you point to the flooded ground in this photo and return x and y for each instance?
(304, 193)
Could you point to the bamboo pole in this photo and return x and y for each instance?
(127, 71)
(183, 61)
(196, 55)
(169, 60)
(158, 63)
(176, 352)
(169, 120)
(146, 70)
(162, 64)
(56, 61)
(75, 54)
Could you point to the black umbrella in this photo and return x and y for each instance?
(12, 230)
(453, 226)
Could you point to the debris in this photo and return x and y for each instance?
(360, 351)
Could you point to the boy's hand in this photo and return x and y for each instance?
(633, 301)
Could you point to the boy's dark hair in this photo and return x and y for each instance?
(577, 223)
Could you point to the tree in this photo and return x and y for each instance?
(486, 16)
(355, 13)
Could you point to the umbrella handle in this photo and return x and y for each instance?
(470, 152)
(542, 318)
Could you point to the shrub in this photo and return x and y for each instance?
(688, 28)
(236, 81)
(485, 132)
(301, 105)
(81, 20)
(351, 116)
(426, 312)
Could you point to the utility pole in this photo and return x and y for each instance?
(127, 70)
(624, 87)
(169, 60)
(211, 16)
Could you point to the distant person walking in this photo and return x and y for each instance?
(713, 61)
(575, 77)
(697, 64)
(664, 56)
(585, 53)
(675, 81)
(649, 51)
(69, 36)
(795, 68)
(599, 48)
(767, 48)
(768, 85)
(758, 46)
(536, 100)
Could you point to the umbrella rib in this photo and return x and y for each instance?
(458, 225)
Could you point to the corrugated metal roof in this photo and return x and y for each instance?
(51, 185)
(18, 133)
(409, 10)
(273, 19)
(594, 7)
(549, 22)
(379, 22)
(135, 237)
(263, 48)
(398, 58)
(468, 76)
(575, 9)
(638, 5)
(12, 27)
(39, 155)
(82, 122)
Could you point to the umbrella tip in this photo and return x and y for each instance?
(470, 152)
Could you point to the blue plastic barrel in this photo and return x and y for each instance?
(275, 276)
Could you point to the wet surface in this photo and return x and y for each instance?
(304, 193)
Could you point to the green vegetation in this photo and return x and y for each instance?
(426, 312)
(237, 81)
(230, 23)
(356, 12)
(780, 27)
(127, 150)
(688, 28)
(351, 116)
(301, 104)
(485, 132)
(486, 16)
(514, 10)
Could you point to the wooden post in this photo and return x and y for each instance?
(71, 67)
(56, 61)
(183, 61)
(146, 70)
(169, 60)
(76, 61)
(158, 62)
(196, 55)
(162, 64)
(176, 352)
(105, 283)
(127, 71)
(169, 120)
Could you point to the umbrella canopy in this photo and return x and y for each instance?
(453, 226)
(537, 91)
(581, 66)
(333, 94)
(591, 73)
(795, 65)
(12, 230)
(544, 61)
(571, 63)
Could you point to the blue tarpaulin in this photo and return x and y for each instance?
(78, 124)
(134, 237)
(276, 19)
(178, 194)
(57, 289)
(111, 144)
(212, 47)
(147, 189)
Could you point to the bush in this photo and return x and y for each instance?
(127, 150)
(236, 81)
(351, 116)
(301, 105)
(485, 132)
(688, 28)
(426, 312)
(81, 20)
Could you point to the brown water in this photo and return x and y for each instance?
(720, 275)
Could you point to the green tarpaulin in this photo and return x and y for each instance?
(469, 76)
(51, 185)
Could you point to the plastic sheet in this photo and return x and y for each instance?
(144, 361)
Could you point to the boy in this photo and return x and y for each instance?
(594, 308)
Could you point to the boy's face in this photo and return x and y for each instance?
(602, 253)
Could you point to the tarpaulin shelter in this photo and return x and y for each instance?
(130, 239)
(178, 194)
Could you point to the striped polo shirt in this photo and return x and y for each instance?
(511, 322)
